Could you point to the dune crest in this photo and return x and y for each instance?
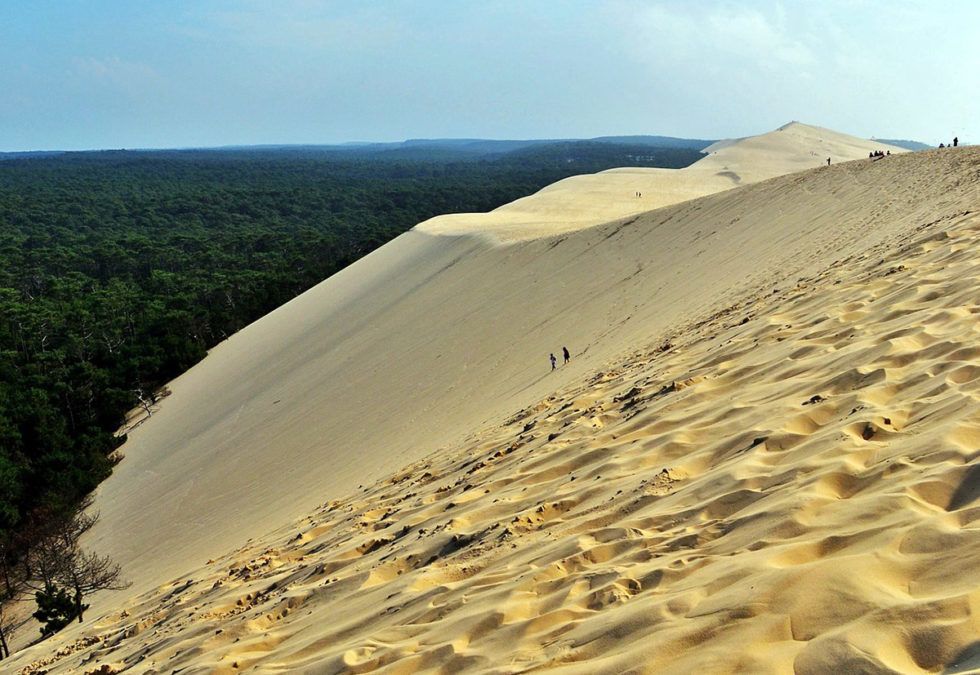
(783, 478)
(593, 199)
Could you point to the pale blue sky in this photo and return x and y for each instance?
(78, 74)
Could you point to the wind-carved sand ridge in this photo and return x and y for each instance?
(766, 466)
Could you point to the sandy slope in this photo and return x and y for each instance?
(762, 458)
(593, 199)
(405, 351)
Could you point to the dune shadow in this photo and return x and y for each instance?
(968, 490)
(968, 660)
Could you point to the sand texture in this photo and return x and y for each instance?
(761, 458)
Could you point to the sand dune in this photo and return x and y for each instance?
(762, 456)
(409, 349)
(593, 199)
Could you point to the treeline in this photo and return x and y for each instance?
(119, 270)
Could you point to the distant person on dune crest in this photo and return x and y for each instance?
(956, 141)
(554, 361)
(564, 351)
(828, 161)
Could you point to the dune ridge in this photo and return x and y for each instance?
(780, 474)
(588, 200)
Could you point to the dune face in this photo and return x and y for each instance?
(761, 457)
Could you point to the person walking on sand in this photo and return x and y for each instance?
(564, 351)
(956, 141)
(554, 361)
(828, 161)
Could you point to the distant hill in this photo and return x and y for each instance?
(908, 145)
(29, 154)
(657, 141)
(497, 147)
(474, 146)
(429, 149)
(607, 151)
(447, 149)
(453, 149)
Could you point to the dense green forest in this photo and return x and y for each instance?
(119, 270)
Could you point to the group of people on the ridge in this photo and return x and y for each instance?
(554, 360)
(879, 153)
(956, 141)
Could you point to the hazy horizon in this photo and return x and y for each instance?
(334, 144)
(306, 72)
(359, 142)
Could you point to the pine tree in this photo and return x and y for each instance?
(55, 609)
